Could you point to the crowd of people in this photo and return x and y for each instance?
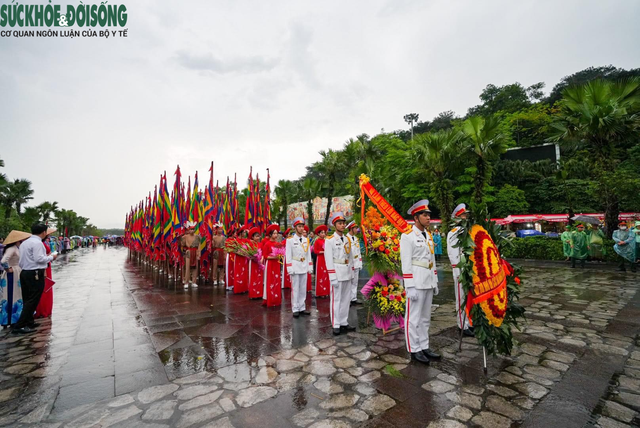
(263, 266)
(284, 260)
(287, 260)
(20, 300)
(580, 244)
(25, 283)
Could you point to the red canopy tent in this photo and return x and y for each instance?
(550, 218)
(560, 218)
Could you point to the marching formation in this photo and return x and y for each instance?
(184, 229)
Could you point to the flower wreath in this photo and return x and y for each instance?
(491, 284)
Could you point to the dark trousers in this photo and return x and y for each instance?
(573, 262)
(622, 263)
(32, 289)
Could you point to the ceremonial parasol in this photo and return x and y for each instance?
(586, 219)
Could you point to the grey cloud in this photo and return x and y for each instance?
(299, 55)
(208, 62)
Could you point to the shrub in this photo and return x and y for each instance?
(537, 247)
(542, 248)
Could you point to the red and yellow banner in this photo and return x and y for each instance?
(367, 189)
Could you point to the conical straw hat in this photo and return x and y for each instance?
(16, 236)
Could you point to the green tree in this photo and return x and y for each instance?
(602, 118)
(46, 210)
(22, 193)
(310, 189)
(3, 178)
(607, 72)
(437, 154)
(331, 170)
(509, 200)
(14, 195)
(411, 119)
(486, 143)
(507, 98)
(30, 216)
(283, 191)
(530, 126)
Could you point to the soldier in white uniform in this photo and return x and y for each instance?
(299, 265)
(420, 281)
(338, 255)
(352, 227)
(459, 213)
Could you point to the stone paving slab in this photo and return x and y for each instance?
(119, 351)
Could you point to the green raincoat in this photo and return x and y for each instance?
(566, 243)
(579, 245)
(596, 239)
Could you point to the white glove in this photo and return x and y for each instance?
(334, 284)
(412, 294)
(436, 291)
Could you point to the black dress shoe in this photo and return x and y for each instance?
(420, 357)
(347, 328)
(23, 330)
(296, 314)
(305, 313)
(468, 333)
(34, 325)
(336, 332)
(431, 355)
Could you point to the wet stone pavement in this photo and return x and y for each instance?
(120, 352)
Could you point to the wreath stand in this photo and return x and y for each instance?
(484, 352)
(384, 332)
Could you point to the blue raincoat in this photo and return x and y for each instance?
(628, 250)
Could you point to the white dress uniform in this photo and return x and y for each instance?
(419, 272)
(455, 254)
(454, 257)
(357, 265)
(338, 255)
(299, 265)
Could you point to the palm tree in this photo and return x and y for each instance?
(30, 216)
(46, 209)
(3, 178)
(65, 220)
(331, 170)
(79, 224)
(438, 154)
(284, 191)
(603, 118)
(22, 192)
(486, 143)
(15, 194)
(360, 156)
(411, 118)
(310, 189)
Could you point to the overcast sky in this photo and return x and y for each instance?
(94, 122)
